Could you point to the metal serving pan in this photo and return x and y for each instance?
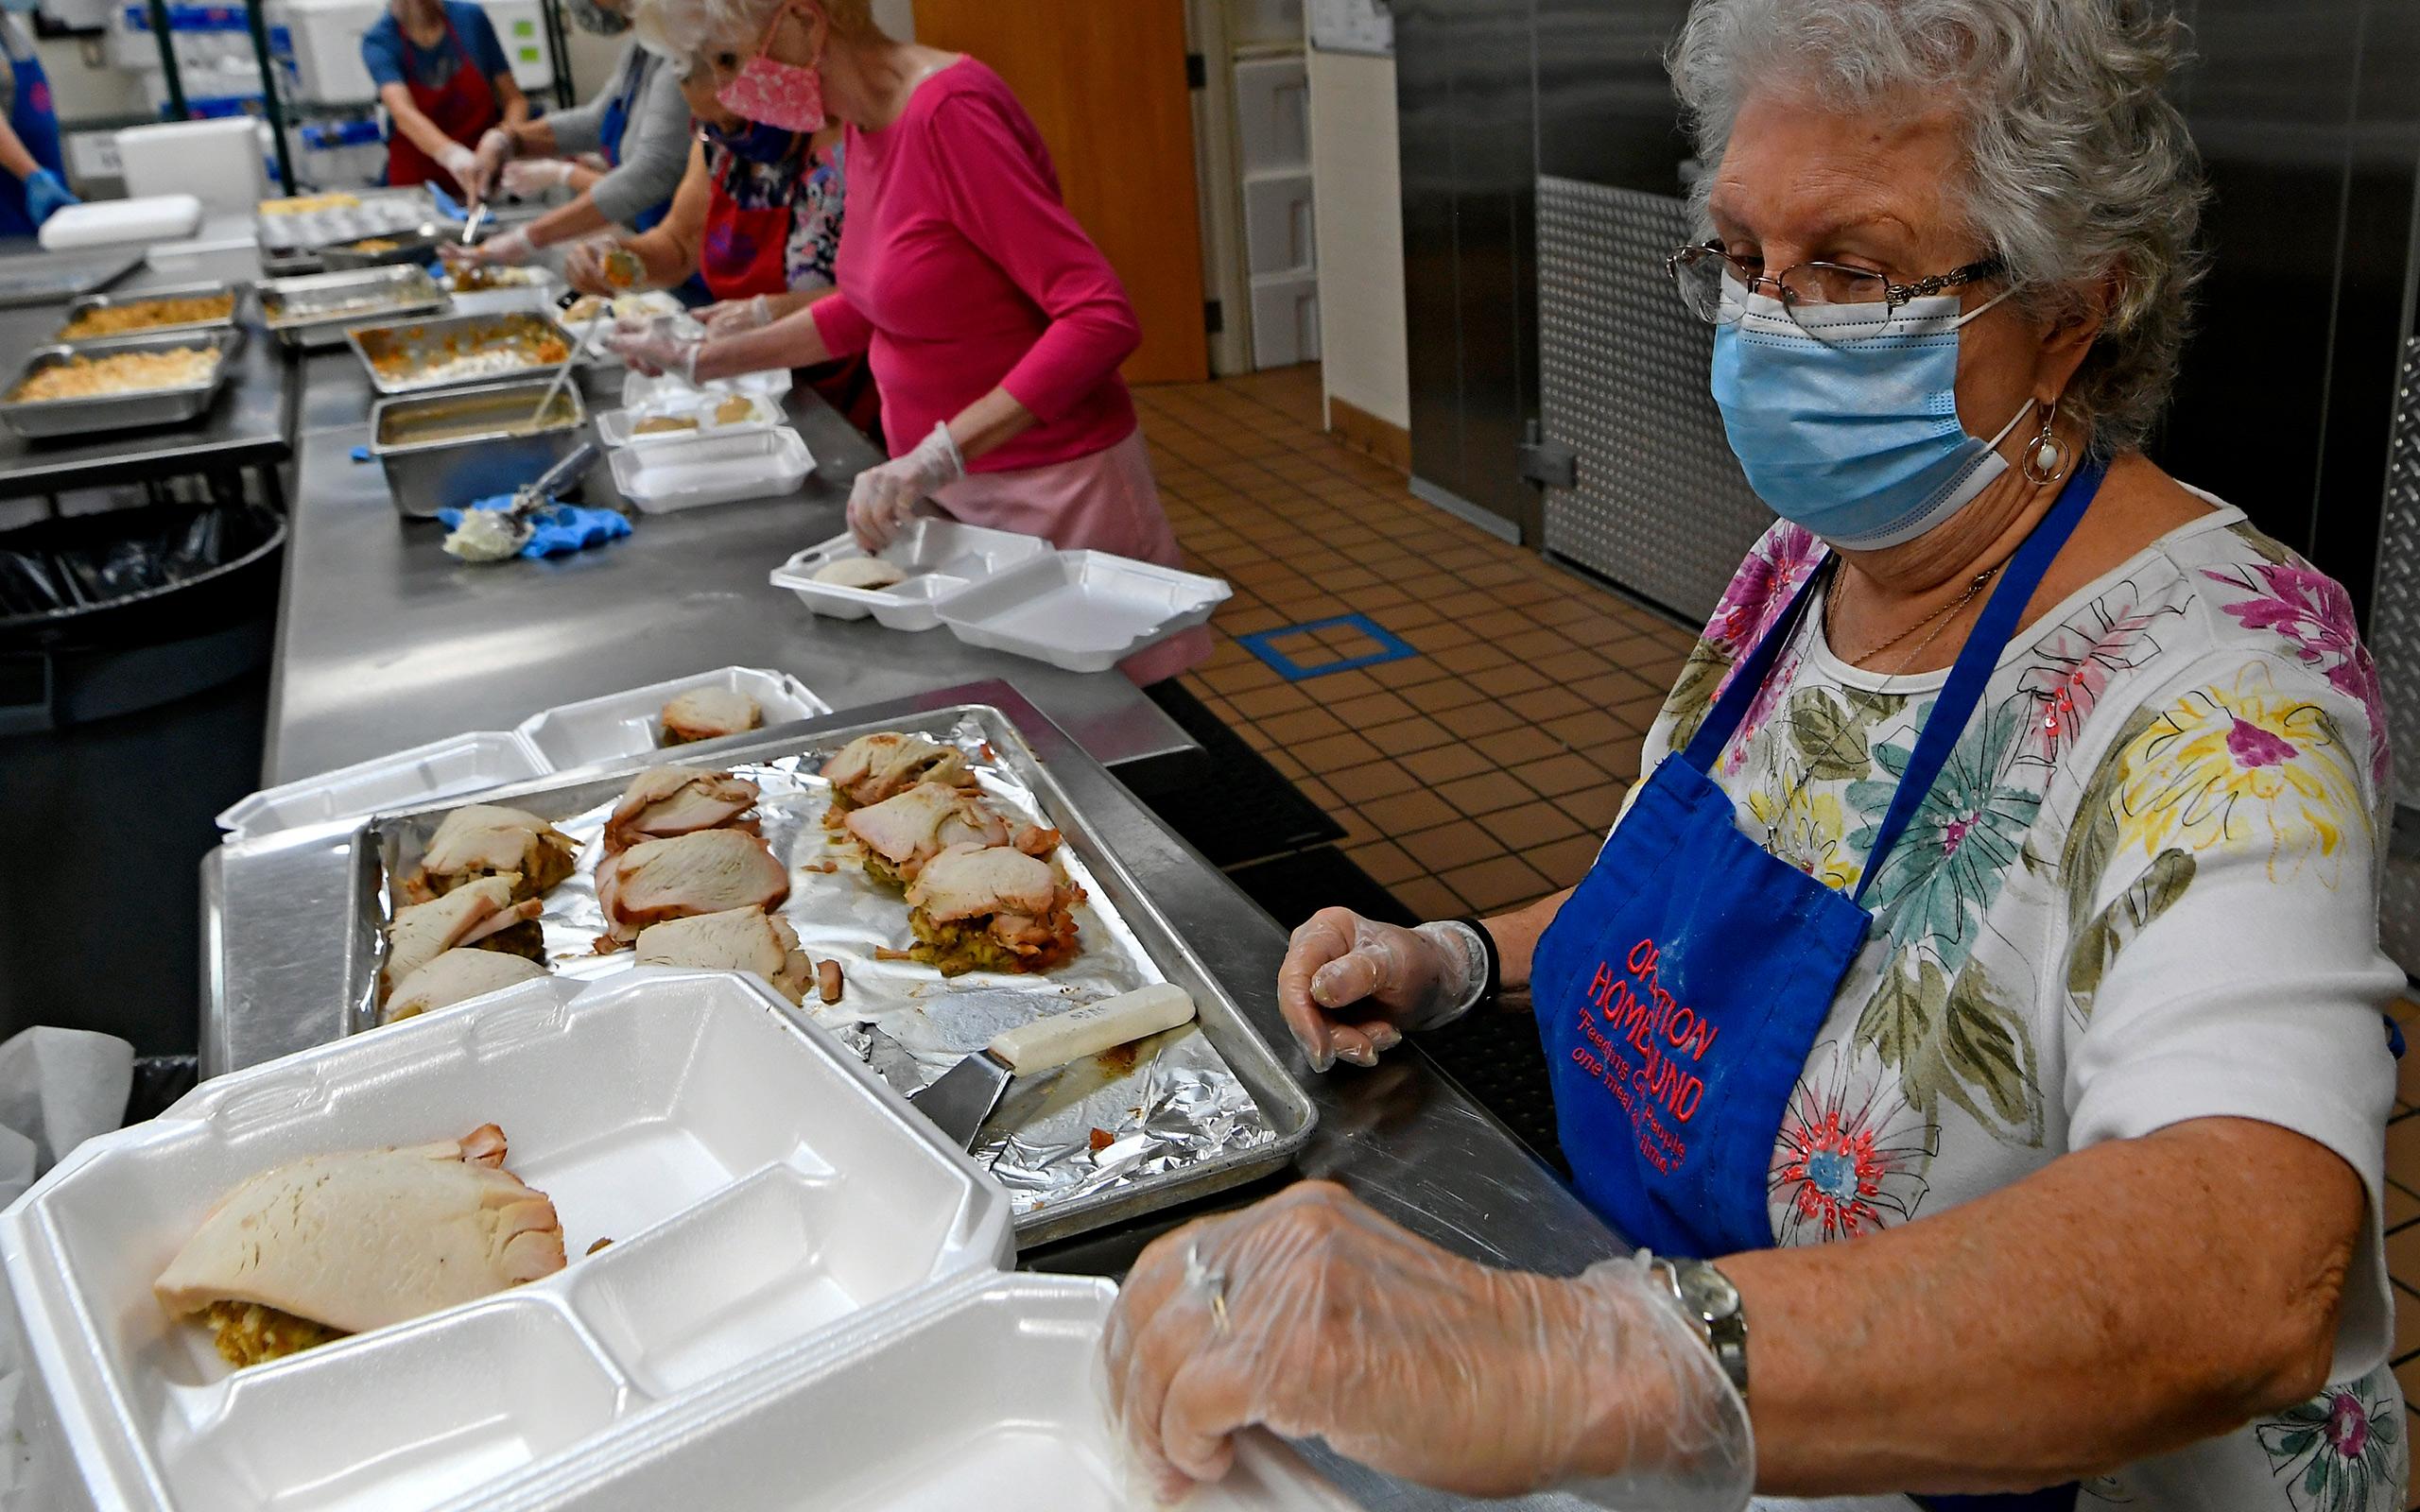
(149, 406)
(459, 444)
(419, 345)
(233, 292)
(46, 277)
(313, 311)
(415, 246)
(381, 848)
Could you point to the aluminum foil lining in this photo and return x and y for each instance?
(1148, 1110)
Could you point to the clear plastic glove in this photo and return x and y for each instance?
(1350, 987)
(523, 179)
(495, 151)
(584, 266)
(884, 498)
(1310, 1314)
(734, 316)
(511, 249)
(47, 193)
(649, 344)
(462, 163)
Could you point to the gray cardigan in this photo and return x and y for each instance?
(655, 141)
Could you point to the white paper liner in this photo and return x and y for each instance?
(1163, 1104)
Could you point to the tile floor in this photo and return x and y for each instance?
(1478, 773)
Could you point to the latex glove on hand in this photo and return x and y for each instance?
(525, 180)
(494, 149)
(584, 266)
(737, 317)
(511, 249)
(47, 193)
(884, 498)
(463, 164)
(1310, 1314)
(649, 344)
(1350, 987)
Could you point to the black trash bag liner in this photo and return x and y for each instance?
(27, 586)
(97, 559)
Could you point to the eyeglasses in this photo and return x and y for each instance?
(1828, 301)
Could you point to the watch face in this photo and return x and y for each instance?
(1709, 1291)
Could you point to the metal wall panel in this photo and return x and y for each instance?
(1662, 507)
(2394, 609)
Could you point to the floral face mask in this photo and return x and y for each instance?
(790, 96)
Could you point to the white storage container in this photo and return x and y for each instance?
(1285, 320)
(985, 1400)
(1273, 114)
(713, 470)
(1279, 236)
(218, 161)
(117, 222)
(630, 724)
(639, 392)
(939, 556)
(619, 427)
(763, 1189)
(1083, 610)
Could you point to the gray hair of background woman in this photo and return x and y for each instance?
(2078, 169)
(685, 28)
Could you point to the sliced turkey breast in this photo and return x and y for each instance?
(488, 839)
(737, 939)
(709, 714)
(873, 767)
(899, 834)
(456, 976)
(474, 912)
(708, 872)
(362, 1240)
(663, 802)
(994, 909)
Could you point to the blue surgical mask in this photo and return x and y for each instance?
(759, 143)
(1856, 438)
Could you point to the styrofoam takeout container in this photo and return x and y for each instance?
(619, 427)
(942, 557)
(763, 1189)
(712, 469)
(985, 1398)
(1083, 610)
(559, 739)
(639, 392)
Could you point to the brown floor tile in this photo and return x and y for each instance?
(1588, 730)
(1596, 808)
(1501, 623)
(2407, 1322)
(1375, 709)
(1470, 660)
(1541, 704)
(2403, 1158)
(1337, 751)
(1484, 794)
(1568, 668)
(1302, 726)
(1407, 735)
(1317, 791)
(1254, 737)
(1533, 646)
(1357, 830)
(1437, 697)
(1558, 775)
(1364, 784)
(1287, 765)
(1386, 862)
(1410, 672)
(1621, 757)
(1530, 825)
(2401, 1206)
(1444, 635)
(1332, 688)
(1564, 861)
(1242, 677)
(1505, 681)
(1499, 882)
(1449, 845)
(1408, 813)
(1427, 898)
(1446, 763)
(1520, 743)
(2407, 1078)
(1473, 720)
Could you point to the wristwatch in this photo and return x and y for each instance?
(1711, 1304)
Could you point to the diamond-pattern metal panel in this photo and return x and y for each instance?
(1661, 508)
(2394, 599)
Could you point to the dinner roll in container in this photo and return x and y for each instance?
(763, 1192)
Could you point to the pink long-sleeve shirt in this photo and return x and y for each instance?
(962, 271)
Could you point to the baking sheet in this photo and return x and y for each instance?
(1166, 1108)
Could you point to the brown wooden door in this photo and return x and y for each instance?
(1104, 80)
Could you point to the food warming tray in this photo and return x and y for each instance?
(593, 731)
(449, 447)
(1083, 610)
(1157, 1100)
(234, 292)
(765, 1195)
(987, 1397)
(423, 344)
(126, 411)
(313, 311)
(46, 277)
(939, 556)
(712, 468)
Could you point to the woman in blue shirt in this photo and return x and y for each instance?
(444, 79)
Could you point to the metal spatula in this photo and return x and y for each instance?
(967, 1092)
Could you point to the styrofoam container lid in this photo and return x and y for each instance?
(619, 427)
(443, 769)
(1083, 610)
(630, 723)
(942, 557)
(639, 390)
(762, 1188)
(985, 1398)
(108, 223)
(685, 475)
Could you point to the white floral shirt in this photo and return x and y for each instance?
(2143, 890)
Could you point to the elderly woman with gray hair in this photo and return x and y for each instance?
(1976, 1011)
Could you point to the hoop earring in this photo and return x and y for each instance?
(2045, 457)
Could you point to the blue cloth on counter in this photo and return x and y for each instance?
(555, 532)
(361, 454)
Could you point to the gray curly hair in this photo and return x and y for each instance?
(2080, 170)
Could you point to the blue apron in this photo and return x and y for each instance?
(615, 121)
(1679, 988)
(37, 125)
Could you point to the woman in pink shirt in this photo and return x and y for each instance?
(993, 324)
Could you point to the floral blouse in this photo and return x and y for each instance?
(2143, 890)
(812, 184)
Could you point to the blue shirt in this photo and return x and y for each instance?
(384, 48)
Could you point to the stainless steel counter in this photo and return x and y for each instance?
(384, 642)
(248, 425)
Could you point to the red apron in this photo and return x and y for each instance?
(463, 110)
(745, 254)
